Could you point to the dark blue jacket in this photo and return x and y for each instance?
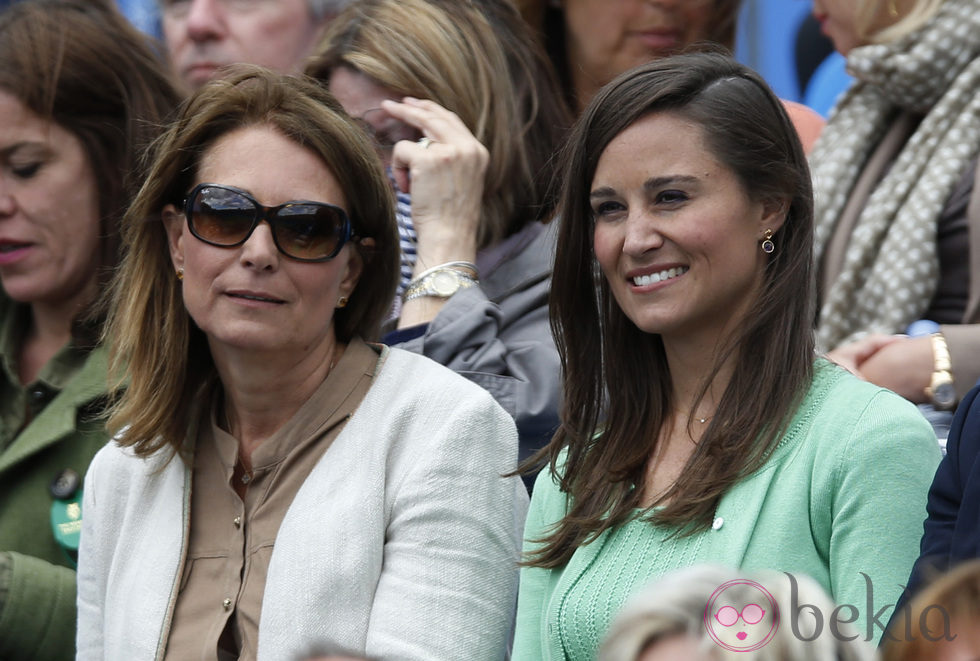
(952, 528)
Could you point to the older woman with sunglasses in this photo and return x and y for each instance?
(276, 482)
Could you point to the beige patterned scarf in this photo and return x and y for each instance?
(891, 268)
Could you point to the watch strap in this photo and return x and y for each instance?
(439, 282)
(940, 390)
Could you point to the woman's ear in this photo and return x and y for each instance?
(355, 267)
(173, 223)
(774, 211)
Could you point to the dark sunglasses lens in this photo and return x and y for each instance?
(310, 231)
(221, 216)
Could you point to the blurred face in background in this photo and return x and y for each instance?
(838, 20)
(204, 35)
(606, 37)
(49, 211)
(670, 648)
(850, 23)
(361, 97)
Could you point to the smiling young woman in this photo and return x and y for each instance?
(698, 424)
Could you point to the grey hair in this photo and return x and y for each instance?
(675, 605)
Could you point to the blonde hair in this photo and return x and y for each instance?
(675, 605)
(153, 342)
(951, 601)
(479, 61)
(868, 12)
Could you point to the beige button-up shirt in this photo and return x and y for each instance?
(231, 540)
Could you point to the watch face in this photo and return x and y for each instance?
(444, 283)
(944, 395)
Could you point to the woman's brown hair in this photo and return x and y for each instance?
(478, 59)
(153, 340)
(616, 377)
(81, 65)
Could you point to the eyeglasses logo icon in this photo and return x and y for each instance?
(741, 616)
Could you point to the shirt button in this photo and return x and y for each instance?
(39, 395)
(227, 604)
(717, 523)
(246, 478)
(238, 522)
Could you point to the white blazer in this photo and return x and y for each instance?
(402, 544)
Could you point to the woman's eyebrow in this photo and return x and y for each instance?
(23, 144)
(660, 182)
(650, 184)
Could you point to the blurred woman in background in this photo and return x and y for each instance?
(467, 113)
(590, 42)
(897, 232)
(81, 94)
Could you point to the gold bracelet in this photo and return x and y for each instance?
(466, 268)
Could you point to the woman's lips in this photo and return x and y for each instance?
(12, 251)
(659, 40)
(255, 298)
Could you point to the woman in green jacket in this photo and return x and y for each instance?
(81, 94)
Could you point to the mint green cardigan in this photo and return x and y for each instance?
(842, 496)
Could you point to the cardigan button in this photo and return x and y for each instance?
(227, 604)
(717, 523)
(238, 522)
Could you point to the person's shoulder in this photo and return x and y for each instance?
(406, 371)
(839, 389)
(120, 464)
(971, 405)
(428, 415)
(807, 121)
(963, 446)
(850, 411)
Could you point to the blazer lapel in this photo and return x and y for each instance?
(58, 418)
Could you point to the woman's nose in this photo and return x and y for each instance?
(259, 250)
(642, 234)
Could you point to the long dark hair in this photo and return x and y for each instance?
(616, 377)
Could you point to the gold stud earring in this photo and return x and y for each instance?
(767, 245)
(342, 302)
(180, 273)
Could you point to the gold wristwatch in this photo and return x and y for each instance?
(941, 391)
